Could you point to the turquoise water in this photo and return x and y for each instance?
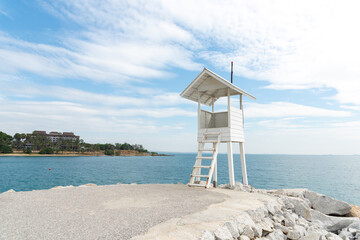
(336, 176)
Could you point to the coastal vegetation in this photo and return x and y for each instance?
(5, 142)
(41, 144)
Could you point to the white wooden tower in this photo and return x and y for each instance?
(216, 127)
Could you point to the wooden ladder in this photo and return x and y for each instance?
(195, 180)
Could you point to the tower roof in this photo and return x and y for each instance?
(210, 86)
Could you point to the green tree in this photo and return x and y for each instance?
(27, 150)
(109, 152)
(47, 150)
(5, 142)
(126, 146)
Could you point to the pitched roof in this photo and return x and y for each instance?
(210, 86)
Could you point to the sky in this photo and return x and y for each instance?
(112, 71)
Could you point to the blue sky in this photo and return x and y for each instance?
(112, 71)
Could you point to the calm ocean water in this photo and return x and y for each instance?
(336, 176)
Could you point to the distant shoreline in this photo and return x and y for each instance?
(96, 154)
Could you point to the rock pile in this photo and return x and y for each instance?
(295, 214)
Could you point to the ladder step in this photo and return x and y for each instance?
(202, 166)
(196, 185)
(212, 133)
(209, 141)
(204, 157)
(207, 150)
(197, 175)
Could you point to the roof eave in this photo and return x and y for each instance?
(219, 78)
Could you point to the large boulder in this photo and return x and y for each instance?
(331, 224)
(223, 233)
(298, 192)
(300, 206)
(327, 205)
(312, 236)
(233, 229)
(276, 235)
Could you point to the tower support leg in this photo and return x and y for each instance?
(231, 164)
(215, 170)
(243, 164)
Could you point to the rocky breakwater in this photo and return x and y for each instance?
(296, 214)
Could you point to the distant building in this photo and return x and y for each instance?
(56, 136)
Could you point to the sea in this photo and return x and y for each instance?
(332, 175)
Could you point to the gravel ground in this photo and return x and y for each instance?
(97, 212)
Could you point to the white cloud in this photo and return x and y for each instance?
(326, 140)
(286, 109)
(148, 98)
(5, 14)
(292, 46)
(348, 124)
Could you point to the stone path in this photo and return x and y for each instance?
(97, 212)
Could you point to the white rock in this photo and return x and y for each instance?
(302, 222)
(345, 235)
(248, 231)
(357, 236)
(282, 228)
(231, 226)
(294, 235)
(9, 191)
(290, 220)
(276, 235)
(300, 229)
(242, 237)
(257, 231)
(352, 230)
(222, 233)
(289, 192)
(248, 188)
(207, 235)
(331, 224)
(244, 220)
(312, 236)
(258, 214)
(327, 205)
(267, 226)
(332, 236)
(273, 208)
(278, 218)
(355, 225)
(239, 186)
(301, 207)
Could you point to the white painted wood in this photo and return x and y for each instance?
(235, 135)
(201, 166)
(202, 157)
(243, 163)
(231, 164)
(241, 105)
(210, 85)
(212, 105)
(215, 166)
(213, 162)
(229, 108)
(199, 110)
(200, 176)
(198, 162)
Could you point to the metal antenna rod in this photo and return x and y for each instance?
(231, 71)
